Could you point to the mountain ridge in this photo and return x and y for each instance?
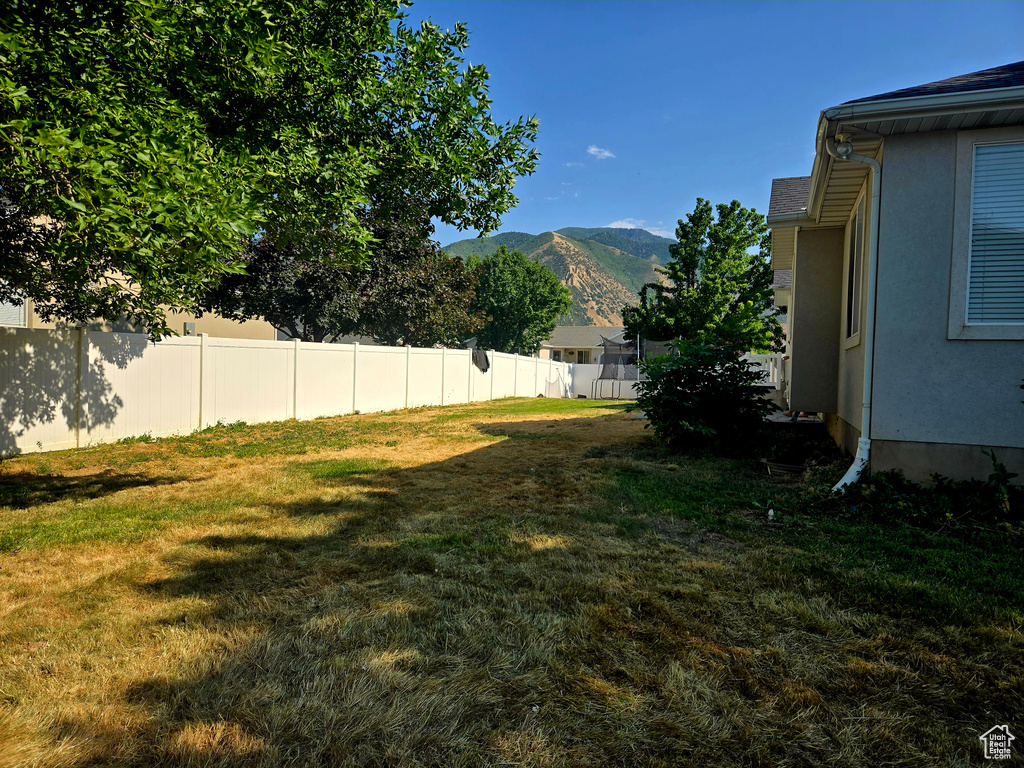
(603, 267)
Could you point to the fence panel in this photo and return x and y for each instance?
(504, 369)
(425, 377)
(456, 376)
(380, 385)
(323, 380)
(66, 388)
(132, 386)
(480, 382)
(249, 381)
(38, 389)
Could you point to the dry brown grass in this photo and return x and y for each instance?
(446, 587)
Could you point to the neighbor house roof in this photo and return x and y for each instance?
(1006, 76)
(582, 336)
(789, 197)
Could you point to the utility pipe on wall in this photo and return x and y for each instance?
(844, 152)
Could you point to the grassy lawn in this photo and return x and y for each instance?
(519, 583)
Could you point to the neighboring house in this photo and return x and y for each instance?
(928, 333)
(579, 343)
(185, 324)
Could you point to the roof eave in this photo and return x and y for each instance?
(794, 219)
(819, 171)
(923, 106)
(833, 119)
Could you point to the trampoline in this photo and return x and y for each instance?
(618, 365)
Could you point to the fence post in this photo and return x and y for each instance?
(443, 351)
(205, 393)
(493, 370)
(83, 368)
(408, 371)
(536, 376)
(515, 376)
(355, 373)
(295, 382)
(469, 376)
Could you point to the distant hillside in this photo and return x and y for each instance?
(603, 268)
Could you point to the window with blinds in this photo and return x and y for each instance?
(11, 314)
(995, 270)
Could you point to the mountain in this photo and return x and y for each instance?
(603, 268)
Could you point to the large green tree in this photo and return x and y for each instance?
(719, 288)
(521, 298)
(148, 140)
(409, 292)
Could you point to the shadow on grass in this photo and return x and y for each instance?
(22, 490)
(479, 611)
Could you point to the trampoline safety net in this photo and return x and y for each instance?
(619, 361)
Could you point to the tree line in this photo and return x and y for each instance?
(234, 156)
(284, 160)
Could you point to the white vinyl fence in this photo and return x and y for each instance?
(586, 381)
(772, 367)
(66, 389)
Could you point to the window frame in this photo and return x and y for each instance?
(24, 316)
(960, 261)
(853, 271)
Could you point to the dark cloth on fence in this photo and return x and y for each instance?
(480, 360)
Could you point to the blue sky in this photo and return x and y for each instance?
(708, 99)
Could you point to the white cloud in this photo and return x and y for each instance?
(630, 223)
(598, 152)
(574, 165)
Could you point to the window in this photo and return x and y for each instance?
(583, 356)
(995, 271)
(556, 355)
(986, 278)
(12, 315)
(855, 244)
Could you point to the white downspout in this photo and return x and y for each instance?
(844, 152)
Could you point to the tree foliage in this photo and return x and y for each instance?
(154, 138)
(413, 293)
(408, 293)
(521, 299)
(305, 299)
(719, 292)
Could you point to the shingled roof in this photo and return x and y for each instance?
(789, 195)
(1006, 76)
(581, 335)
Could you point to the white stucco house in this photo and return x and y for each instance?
(901, 263)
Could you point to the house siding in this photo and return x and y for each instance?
(929, 388)
(210, 323)
(815, 318)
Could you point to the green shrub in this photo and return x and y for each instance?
(941, 503)
(705, 399)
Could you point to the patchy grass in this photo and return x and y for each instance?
(520, 583)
